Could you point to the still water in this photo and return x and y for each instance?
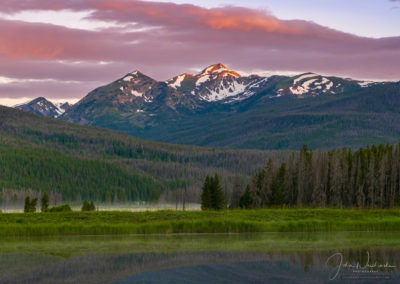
(345, 257)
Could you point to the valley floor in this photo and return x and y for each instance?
(176, 222)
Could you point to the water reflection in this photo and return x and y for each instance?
(252, 258)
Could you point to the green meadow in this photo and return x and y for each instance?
(177, 222)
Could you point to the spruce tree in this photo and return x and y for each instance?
(85, 206)
(206, 194)
(217, 195)
(32, 207)
(266, 193)
(246, 200)
(237, 192)
(278, 186)
(91, 206)
(44, 202)
(27, 204)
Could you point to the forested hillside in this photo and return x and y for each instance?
(42, 154)
(368, 177)
(353, 119)
(74, 162)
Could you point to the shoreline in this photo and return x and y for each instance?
(168, 222)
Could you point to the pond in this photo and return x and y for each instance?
(342, 257)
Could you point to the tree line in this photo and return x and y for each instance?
(368, 177)
(31, 204)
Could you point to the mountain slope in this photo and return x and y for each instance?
(352, 119)
(217, 83)
(219, 107)
(134, 98)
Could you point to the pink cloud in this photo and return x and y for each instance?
(182, 37)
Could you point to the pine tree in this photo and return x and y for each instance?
(258, 183)
(91, 206)
(278, 186)
(266, 192)
(382, 181)
(246, 200)
(217, 195)
(206, 202)
(303, 176)
(85, 206)
(359, 186)
(237, 192)
(290, 192)
(335, 180)
(27, 206)
(371, 183)
(320, 180)
(44, 202)
(212, 196)
(32, 207)
(395, 178)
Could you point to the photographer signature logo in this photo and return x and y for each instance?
(368, 269)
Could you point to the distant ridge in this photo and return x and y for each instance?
(221, 107)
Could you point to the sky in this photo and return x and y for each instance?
(63, 49)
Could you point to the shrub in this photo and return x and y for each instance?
(86, 206)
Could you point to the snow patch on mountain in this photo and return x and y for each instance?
(328, 86)
(148, 99)
(44, 107)
(178, 81)
(304, 76)
(202, 79)
(136, 93)
(61, 108)
(310, 83)
(128, 78)
(365, 84)
(225, 91)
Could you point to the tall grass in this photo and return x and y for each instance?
(228, 221)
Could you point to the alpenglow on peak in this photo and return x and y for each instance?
(218, 68)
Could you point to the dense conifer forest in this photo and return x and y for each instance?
(368, 177)
(73, 162)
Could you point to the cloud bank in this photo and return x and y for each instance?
(163, 39)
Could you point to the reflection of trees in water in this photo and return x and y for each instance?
(94, 268)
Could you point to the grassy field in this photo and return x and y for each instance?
(169, 222)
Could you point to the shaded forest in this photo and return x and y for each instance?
(73, 162)
(368, 177)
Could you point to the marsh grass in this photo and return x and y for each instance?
(172, 222)
(67, 246)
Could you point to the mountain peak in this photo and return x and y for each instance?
(136, 73)
(44, 107)
(136, 76)
(38, 99)
(215, 68)
(218, 69)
